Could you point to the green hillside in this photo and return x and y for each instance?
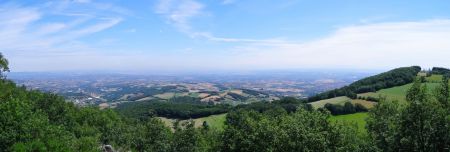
(392, 78)
(399, 93)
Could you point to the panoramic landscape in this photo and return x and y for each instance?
(224, 76)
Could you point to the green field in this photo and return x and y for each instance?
(397, 93)
(358, 118)
(434, 78)
(214, 121)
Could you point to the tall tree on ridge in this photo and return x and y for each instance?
(3, 65)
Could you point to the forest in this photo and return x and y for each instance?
(171, 109)
(31, 120)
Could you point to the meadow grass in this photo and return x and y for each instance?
(434, 78)
(358, 118)
(397, 93)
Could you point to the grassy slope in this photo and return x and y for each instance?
(337, 100)
(342, 100)
(214, 121)
(434, 78)
(358, 118)
(397, 93)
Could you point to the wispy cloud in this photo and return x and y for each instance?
(33, 41)
(180, 12)
(24, 31)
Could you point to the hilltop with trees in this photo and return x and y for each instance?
(395, 77)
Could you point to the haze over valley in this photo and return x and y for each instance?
(112, 89)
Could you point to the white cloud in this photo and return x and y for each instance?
(180, 12)
(380, 45)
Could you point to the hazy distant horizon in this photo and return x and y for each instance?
(200, 72)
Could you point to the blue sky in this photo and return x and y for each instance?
(183, 35)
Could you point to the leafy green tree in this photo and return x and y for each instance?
(415, 92)
(210, 140)
(3, 65)
(422, 123)
(152, 136)
(382, 125)
(186, 138)
(275, 130)
(442, 93)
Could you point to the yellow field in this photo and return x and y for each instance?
(337, 100)
(342, 100)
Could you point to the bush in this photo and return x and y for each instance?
(347, 108)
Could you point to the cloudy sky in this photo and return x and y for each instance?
(177, 35)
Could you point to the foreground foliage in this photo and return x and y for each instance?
(420, 125)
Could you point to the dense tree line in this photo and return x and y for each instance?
(369, 98)
(347, 108)
(289, 104)
(179, 110)
(395, 77)
(440, 70)
(277, 130)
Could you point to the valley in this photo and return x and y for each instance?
(110, 90)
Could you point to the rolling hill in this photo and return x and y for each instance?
(392, 78)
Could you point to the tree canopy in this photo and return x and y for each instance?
(3, 65)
